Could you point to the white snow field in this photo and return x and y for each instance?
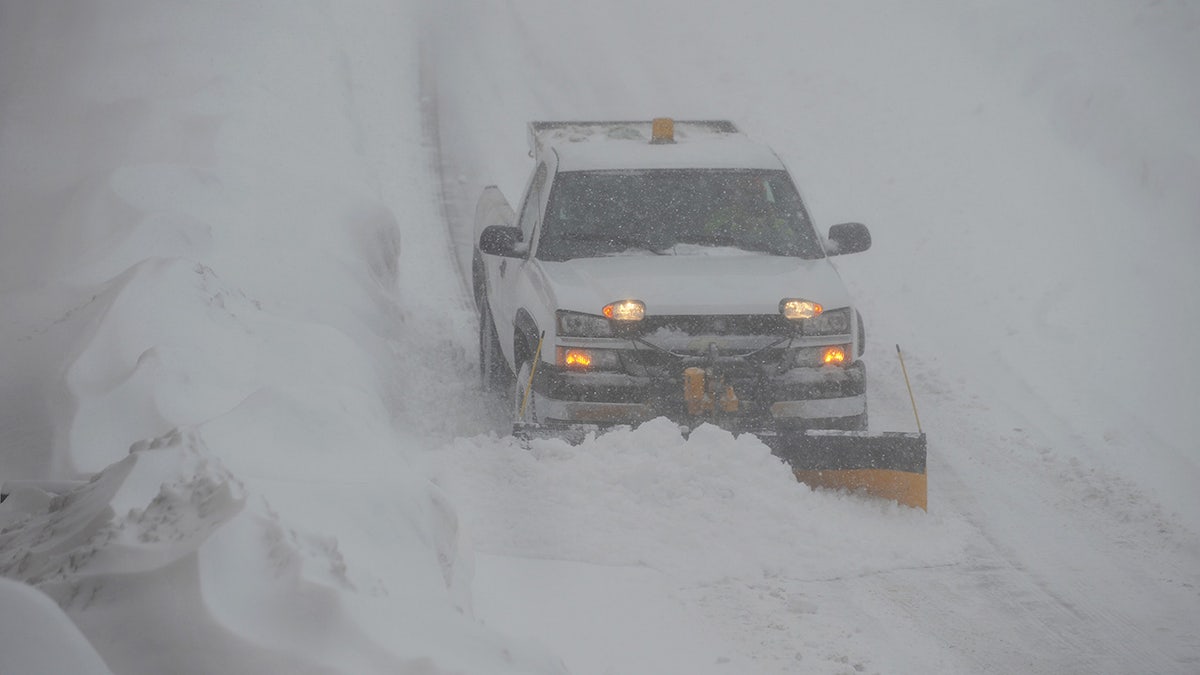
(232, 242)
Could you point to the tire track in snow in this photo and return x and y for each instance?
(1049, 559)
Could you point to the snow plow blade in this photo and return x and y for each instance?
(890, 465)
(571, 433)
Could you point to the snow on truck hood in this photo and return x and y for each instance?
(741, 283)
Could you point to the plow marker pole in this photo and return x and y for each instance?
(908, 384)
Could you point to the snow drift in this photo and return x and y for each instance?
(200, 276)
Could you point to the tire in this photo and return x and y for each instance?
(529, 415)
(862, 334)
(477, 282)
(493, 371)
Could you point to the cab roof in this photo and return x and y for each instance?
(599, 146)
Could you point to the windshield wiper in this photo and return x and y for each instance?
(617, 240)
(714, 241)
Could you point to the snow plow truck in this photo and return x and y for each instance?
(669, 268)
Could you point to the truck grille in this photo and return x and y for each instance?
(732, 324)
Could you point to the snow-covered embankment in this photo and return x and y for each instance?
(199, 269)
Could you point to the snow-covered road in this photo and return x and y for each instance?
(232, 244)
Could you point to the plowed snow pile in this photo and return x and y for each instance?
(702, 508)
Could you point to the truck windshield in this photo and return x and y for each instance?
(675, 212)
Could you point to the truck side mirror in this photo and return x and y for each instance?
(849, 238)
(499, 240)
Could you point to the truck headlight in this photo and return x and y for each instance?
(625, 310)
(578, 324)
(796, 308)
(833, 322)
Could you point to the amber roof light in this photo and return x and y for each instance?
(662, 130)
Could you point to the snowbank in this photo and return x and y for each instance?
(37, 638)
(168, 563)
(200, 266)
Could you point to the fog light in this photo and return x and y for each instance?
(576, 358)
(579, 359)
(834, 355)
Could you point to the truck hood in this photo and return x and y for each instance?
(694, 284)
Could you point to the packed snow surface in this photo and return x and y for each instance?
(234, 257)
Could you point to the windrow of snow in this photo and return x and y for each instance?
(699, 509)
(200, 262)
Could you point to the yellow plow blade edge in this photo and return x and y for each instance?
(890, 465)
(905, 488)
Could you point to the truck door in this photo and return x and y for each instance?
(509, 281)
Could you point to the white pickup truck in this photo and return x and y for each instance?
(665, 269)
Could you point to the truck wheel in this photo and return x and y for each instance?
(521, 399)
(493, 371)
(477, 280)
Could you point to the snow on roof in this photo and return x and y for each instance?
(716, 144)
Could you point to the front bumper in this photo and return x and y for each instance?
(803, 397)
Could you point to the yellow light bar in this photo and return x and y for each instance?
(662, 130)
(834, 355)
(800, 309)
(625, 310)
